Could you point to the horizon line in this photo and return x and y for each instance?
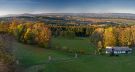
(67, 13)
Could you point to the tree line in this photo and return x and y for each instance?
(113, 36)
(100, 36)
(71, 31)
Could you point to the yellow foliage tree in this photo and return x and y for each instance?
(109, 37)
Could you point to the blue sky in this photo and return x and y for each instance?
(66, 6)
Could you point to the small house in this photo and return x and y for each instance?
(118, 50)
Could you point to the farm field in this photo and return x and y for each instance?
(31, 55)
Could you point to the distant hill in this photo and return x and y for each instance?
(97, 15)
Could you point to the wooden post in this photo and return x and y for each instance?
(49, 58)
(17, 62)
(76, 56)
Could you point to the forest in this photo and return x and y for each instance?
(83, 39)
(99, 36)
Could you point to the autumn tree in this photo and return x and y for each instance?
(42, 34)
(31, 33)
(109, 37)
(124, 36)
(97, 36)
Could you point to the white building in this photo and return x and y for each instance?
(118, 50)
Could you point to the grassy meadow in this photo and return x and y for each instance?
(32, 55)
(73, 44)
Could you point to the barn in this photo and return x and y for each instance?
(118, 50)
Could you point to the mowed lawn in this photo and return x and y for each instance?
(30, 55)
(74, 44)
(95, 64)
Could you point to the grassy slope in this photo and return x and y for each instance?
(29, 55)
(95, 64)
(32, 55)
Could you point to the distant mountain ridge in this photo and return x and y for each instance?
(104, 15)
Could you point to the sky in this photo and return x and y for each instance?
(66, 6)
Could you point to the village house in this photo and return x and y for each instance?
(118, 50)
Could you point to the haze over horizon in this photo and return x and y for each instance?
(66, 6)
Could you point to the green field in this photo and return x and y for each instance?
(95, 64)
(32, 55)
(74, 44)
